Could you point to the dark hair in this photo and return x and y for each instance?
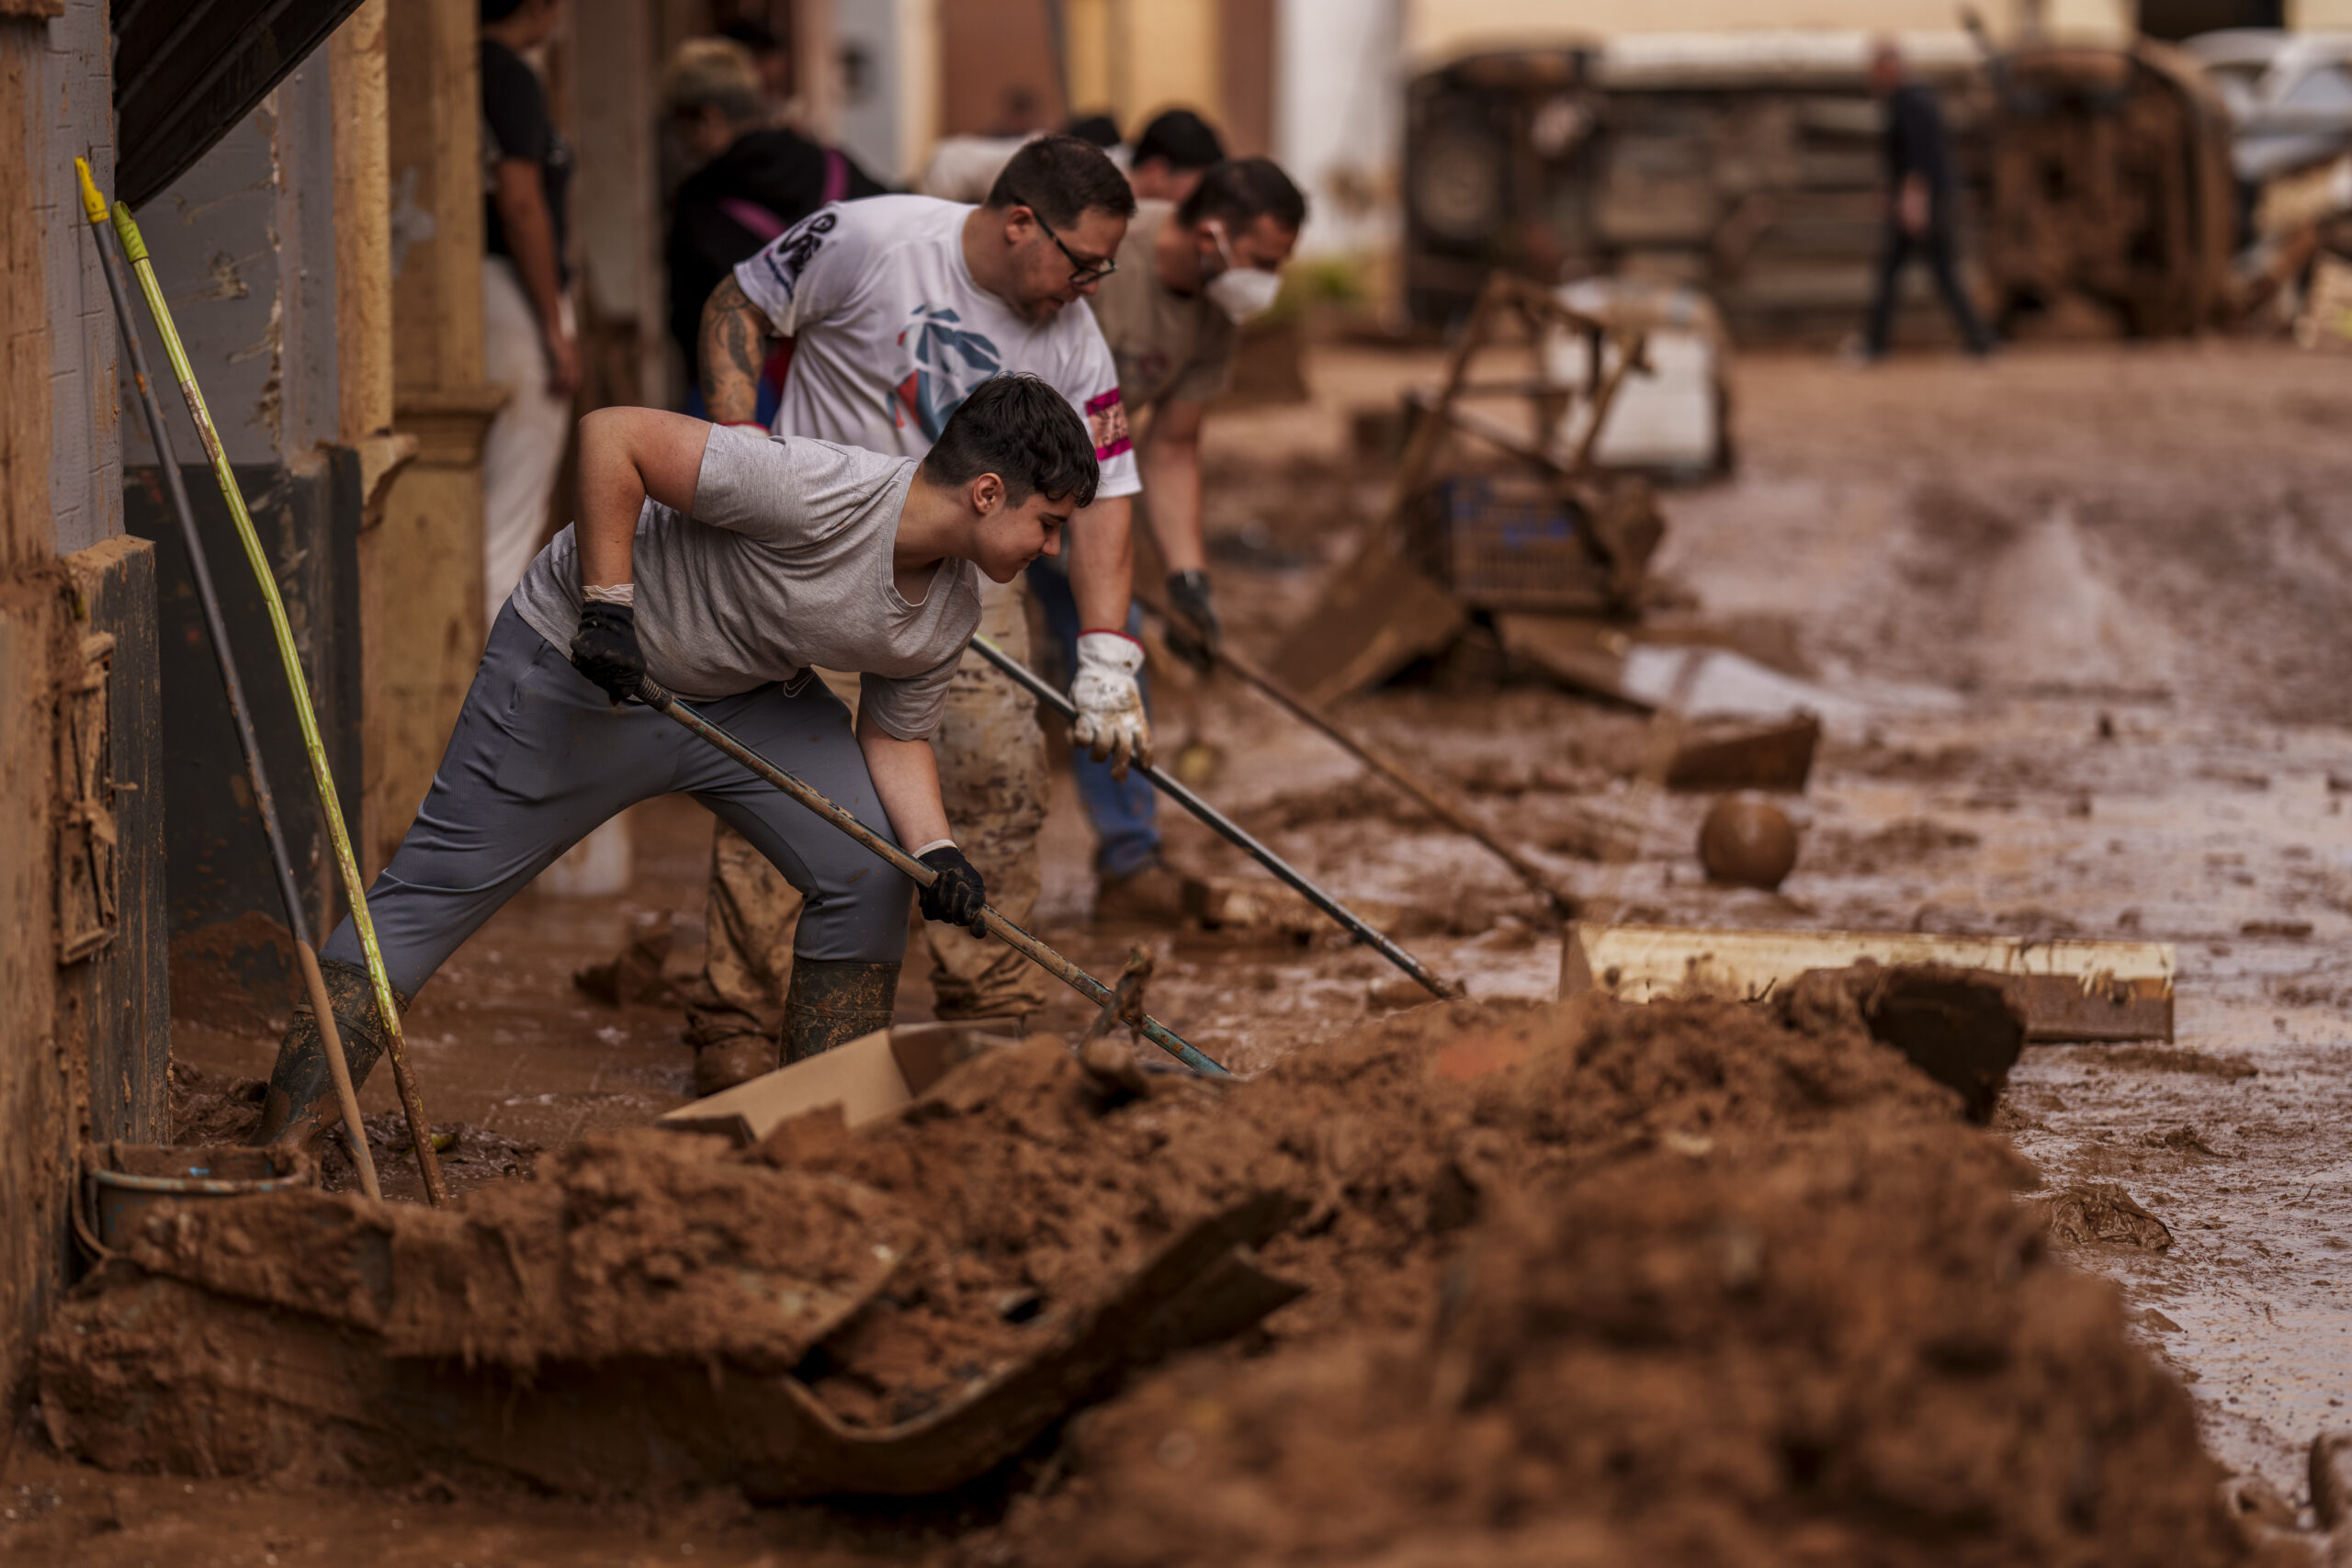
(1242, 191)
(1179, 139)
(755, 35)
(497, 10)
(1099, 129)
(1059, 177)
(1025, 433)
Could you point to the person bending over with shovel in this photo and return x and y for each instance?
(725, 564)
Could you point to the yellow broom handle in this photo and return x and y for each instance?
(135, 247)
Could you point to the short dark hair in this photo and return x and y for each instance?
(1243, 190)
(1025, 433)
(1059, 177)
(1099, 129)
(1179, 139)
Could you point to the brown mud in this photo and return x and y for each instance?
(1032, 1188)
(2078, 607)
(219, 1107)
(1684, 1281)
(1846, 1344)
(216, 973)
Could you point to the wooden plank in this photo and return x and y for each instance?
(1378, 618)
(1577, 651)
(1767, 756)
(2072, 990)
(121, 985)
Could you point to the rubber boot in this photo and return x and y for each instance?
(302, 1105)
(738, 1059)
(834, 1001)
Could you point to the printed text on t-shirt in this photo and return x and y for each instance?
(788, 255)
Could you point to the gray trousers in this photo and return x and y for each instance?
(540, 758)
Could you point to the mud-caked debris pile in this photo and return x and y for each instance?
(1578, 1283)
(1733, 1291)
(1395, 1139)
(1033, 1190)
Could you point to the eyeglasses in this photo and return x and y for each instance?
(1082, 271)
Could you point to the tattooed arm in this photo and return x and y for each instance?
(735, 343)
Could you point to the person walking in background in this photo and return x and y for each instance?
(753, 181)
(1190, 274)
(528, 342)
(1921, 198)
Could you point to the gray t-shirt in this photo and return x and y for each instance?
(785, 564)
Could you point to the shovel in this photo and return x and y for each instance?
(659, 698)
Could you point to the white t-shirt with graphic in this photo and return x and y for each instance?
(890, 333)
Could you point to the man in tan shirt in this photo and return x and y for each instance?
(1188, 276)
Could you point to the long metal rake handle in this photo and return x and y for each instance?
(660, 699)
(1422, 794)
(1230, 830)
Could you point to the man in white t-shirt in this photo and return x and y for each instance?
(897, 307)
(1188, 276)
(728, 565)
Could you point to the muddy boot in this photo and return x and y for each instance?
(300, 1105)
(834, 1001)
(723, 1064)
(1152, 894)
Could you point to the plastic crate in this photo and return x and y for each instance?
(1517, 545)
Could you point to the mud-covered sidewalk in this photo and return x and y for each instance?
(2074, 616)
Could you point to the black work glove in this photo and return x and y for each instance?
(957, 895)
(605, 649)
(1193, 635)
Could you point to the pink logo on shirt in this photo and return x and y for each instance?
(1106, 419)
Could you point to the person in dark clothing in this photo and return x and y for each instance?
(1921, 198)
(521, 131)
(530, 342)
(756, 184)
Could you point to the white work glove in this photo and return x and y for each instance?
(1110, 723)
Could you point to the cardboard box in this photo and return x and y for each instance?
(869, 1079)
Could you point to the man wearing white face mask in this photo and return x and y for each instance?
(1188, 275)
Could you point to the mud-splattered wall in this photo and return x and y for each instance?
(60, 467)
(245, 249)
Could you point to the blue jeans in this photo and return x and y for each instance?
(1125, 814)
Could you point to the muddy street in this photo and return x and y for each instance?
(2072, 621)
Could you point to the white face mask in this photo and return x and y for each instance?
(1242, 293)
